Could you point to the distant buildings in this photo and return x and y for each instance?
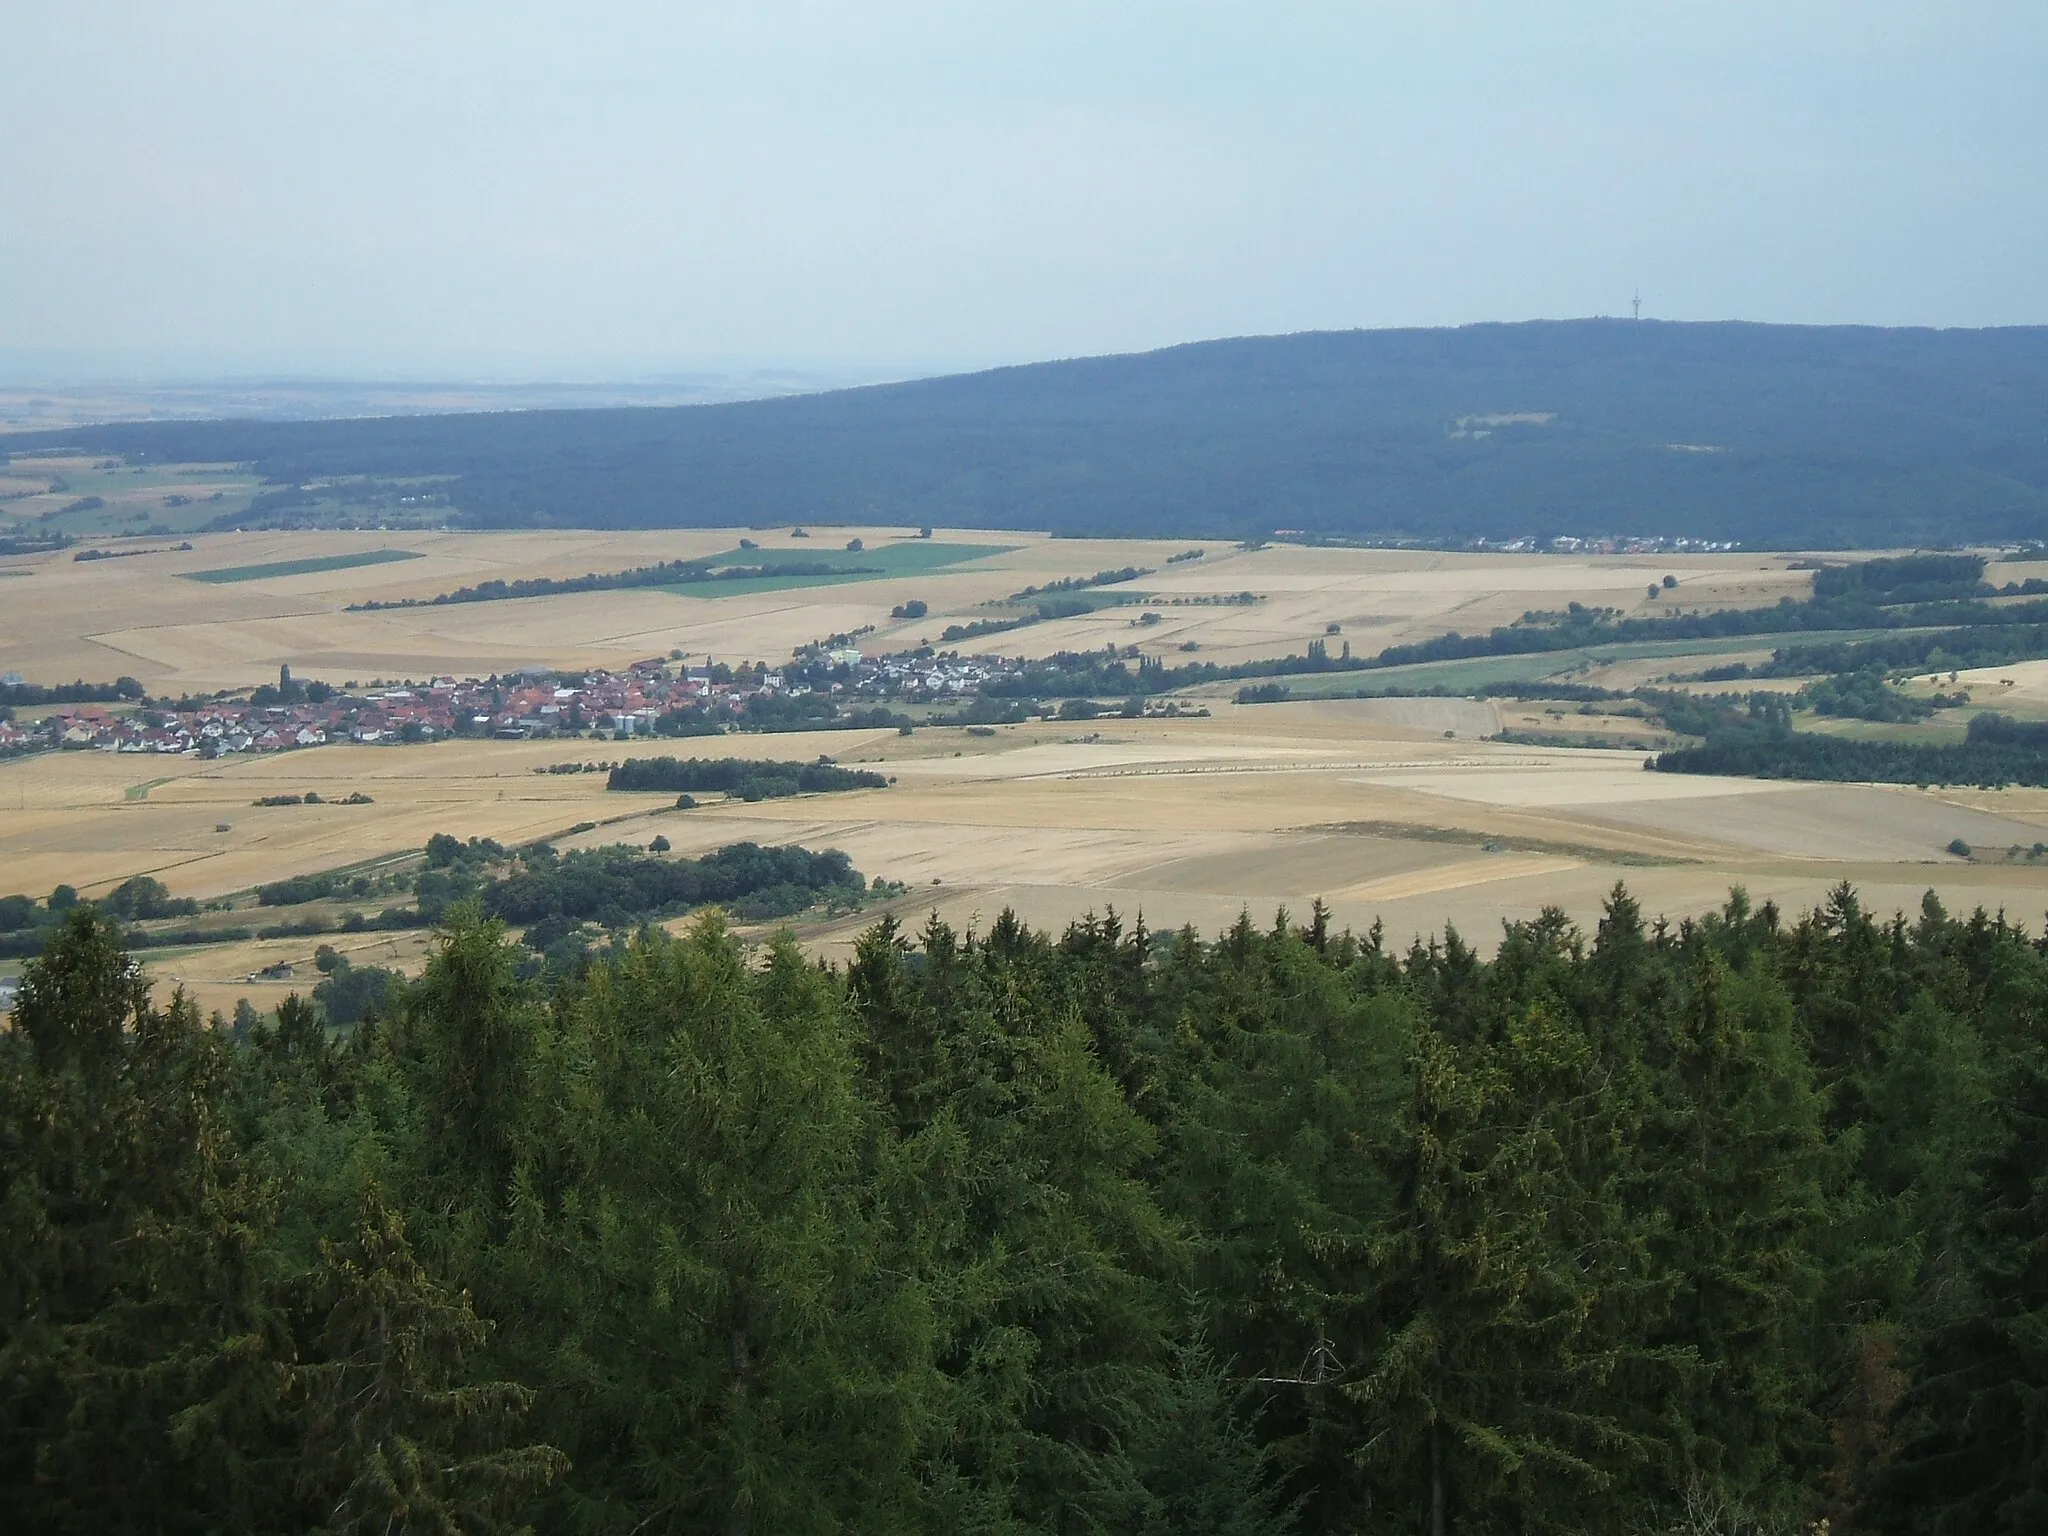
(640, 701)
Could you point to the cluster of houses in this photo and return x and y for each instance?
(226, 728)
(1611, 544)
(920, 674)
(514, 707)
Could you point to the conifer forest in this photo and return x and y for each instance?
(1735, 1225)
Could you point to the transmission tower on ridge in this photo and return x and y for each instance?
(1638, 303)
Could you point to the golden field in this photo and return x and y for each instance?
(140, 617)
(1184, 821)
(1394, 810)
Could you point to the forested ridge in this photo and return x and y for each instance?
(1734, 1225)
(1774, 436)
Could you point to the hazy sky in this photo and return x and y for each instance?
(508, 189)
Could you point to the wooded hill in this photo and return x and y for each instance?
(1727, 1226)
(1774, 436)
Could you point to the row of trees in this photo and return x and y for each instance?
(666, 573)
(1733, 1225)
(1772, 750)
(80, 692)
(1938, 650)
(747, 778)
(26, 926)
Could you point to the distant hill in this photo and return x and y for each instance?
(1775, 436)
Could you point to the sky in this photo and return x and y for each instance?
(501, 189)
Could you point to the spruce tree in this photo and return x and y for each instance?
(1738, 1157)
(691, 1259)
(1191, 1464)
(1973, 1438)
(1285, 1076)
(1058, 1254)
(397, 1435)
(143, 1350)
(1485, 1398)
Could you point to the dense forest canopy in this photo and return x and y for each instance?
(1733, 1225)
(1773, 436)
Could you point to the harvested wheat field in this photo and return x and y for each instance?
(1396, 810)
(1180, 821)
(150, 617)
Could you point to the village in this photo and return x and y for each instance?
(654, 697)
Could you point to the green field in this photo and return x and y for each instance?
(1728, 645)
(1094, 599)
(912, 557)
(302, 567)
(1950, 726)
(118, 500)
(1453, 676)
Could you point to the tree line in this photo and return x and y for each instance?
(1979, 645)
(554, 895)
(1995, 752)
(122, 689)
(1733, 1224)
(620, 887)
(662, 573)
(18, 541)
(743, 778)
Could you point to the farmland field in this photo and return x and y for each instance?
(1392, 809)
(107, 618)
(302, 567)
(904, 558)
(91, 497)
(1187, 821)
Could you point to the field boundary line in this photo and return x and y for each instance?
(1165, 770)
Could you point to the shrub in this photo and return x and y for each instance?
(145, 897)
(290, 893)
